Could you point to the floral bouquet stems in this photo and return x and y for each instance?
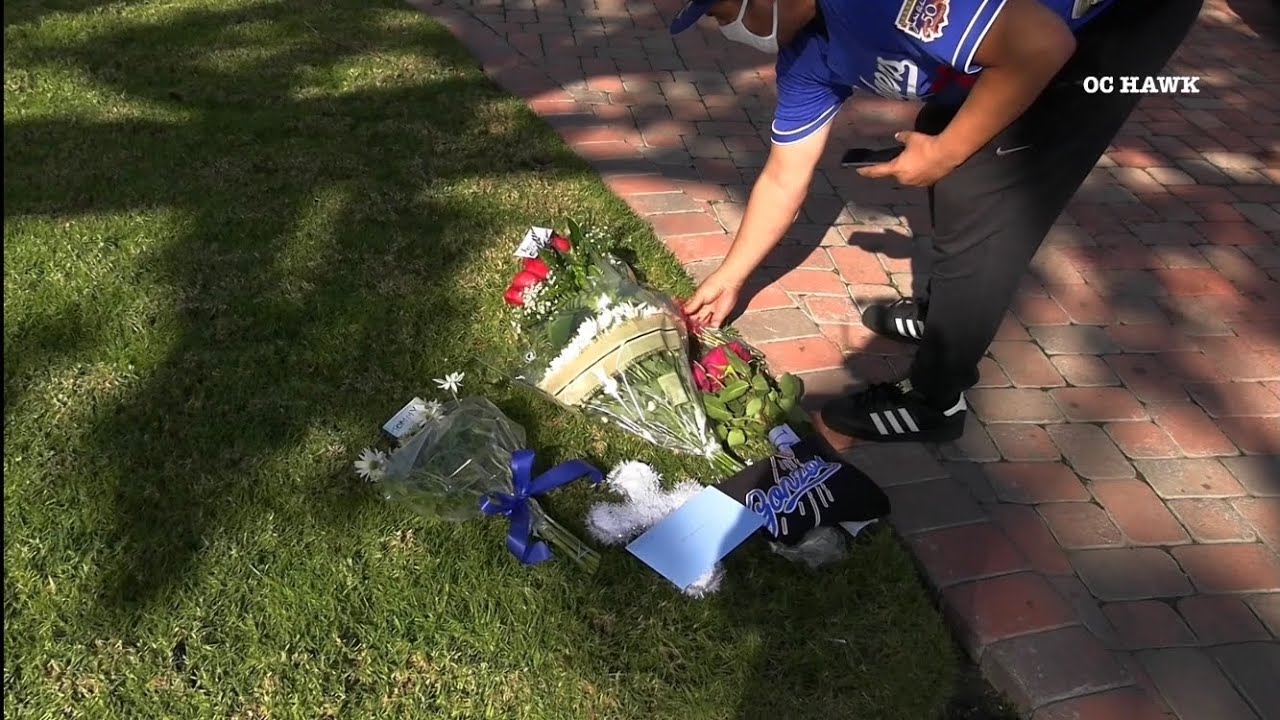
(468, 460)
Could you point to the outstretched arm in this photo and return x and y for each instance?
(772, 208)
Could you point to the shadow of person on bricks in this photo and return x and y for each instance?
(1260, 16)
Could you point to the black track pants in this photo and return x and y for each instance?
(991, 214)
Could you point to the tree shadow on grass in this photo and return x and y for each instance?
(294, 197)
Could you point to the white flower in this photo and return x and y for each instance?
(431, 410)
(608, 384)
(372, 465)
(591, 328)
(451, 382)
(604, 302)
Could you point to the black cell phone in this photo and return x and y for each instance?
(863, 157)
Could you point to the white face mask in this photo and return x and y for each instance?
(737, 32)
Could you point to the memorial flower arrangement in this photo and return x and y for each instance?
(594, 338)
(464, 459)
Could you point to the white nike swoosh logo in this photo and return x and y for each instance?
(1002, 151)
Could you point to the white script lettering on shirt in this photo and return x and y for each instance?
(897, 79)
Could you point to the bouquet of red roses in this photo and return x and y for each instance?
(743, 400)
(594, 338)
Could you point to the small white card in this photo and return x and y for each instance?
(783, 437)
(534, 242)
(407, 421)
(686, 544)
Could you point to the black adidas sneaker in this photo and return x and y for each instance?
(894, 412)
(901, 319)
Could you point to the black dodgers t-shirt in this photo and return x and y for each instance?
(800, 488)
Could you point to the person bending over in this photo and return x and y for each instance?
(1005, 137)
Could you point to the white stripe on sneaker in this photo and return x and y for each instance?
(893, 420)
(902, 328)
(875, 418)
(906, 418)
(960, 405)
(919, 328)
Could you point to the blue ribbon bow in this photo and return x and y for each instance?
(515, 507)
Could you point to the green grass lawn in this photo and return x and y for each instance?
(238, 236)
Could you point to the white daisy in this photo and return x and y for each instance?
(431, 410)
(372, 465)
(451, 382)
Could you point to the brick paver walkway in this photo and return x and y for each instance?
(1105, 535)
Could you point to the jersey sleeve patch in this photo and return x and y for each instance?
(949, 30)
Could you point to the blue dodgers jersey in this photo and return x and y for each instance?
(899, 49)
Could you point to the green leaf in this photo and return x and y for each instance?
(760, 382)
(738, 366)
(772, 411)
(791, 386)
(561, 328)
(754, 407)
(734, 390)
(736, 438)
(799, 421)
(787, 404)
(710, 399)
(718, 412)
(575, 232)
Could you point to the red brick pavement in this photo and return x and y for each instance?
(1105, 535)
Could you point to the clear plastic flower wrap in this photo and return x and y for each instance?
(596, 339)
(466, 463)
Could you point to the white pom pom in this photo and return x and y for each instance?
(634, 480)
(613, 523)
(707, 584)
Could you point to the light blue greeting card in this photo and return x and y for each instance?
(685, 545)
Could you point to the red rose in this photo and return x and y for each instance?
(716, 362)
(537, 267)
(525, 279)
(704, 382)
(741, 351)
(561, 244)
(514, 297)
